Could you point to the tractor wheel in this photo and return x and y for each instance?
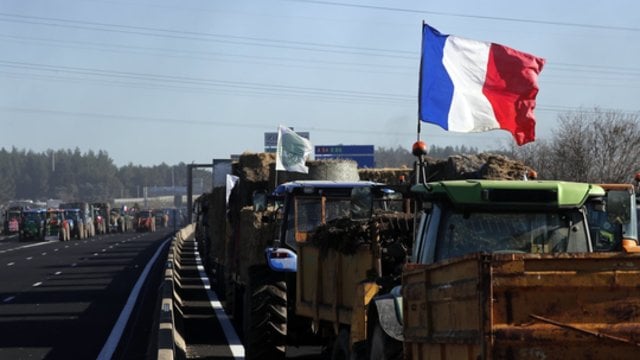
(265, 314)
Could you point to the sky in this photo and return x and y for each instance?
(170, 81)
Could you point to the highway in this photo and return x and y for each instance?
(80, 299)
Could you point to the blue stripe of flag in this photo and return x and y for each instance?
(436, 87)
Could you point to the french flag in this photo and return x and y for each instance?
(473, 86)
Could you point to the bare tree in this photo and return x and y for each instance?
(537, 155)
(598, 146)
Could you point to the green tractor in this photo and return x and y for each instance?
(32, 225)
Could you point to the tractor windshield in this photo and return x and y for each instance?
(32, 216)
(464, 232)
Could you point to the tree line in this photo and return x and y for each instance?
(71, 175)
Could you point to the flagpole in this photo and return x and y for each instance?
(419, 165)
(419, 129)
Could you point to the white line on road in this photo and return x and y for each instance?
(23, 247)
(118, 329)
(57, 273)
(11, 264)
(74, 264)
(235, 345)
(8, 299)
(44, 254)
(30, 257)
(37, 284)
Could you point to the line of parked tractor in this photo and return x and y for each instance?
(79, 220)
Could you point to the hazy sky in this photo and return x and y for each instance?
(192, 80)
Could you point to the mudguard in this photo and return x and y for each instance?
(282, 260)
(390, 318)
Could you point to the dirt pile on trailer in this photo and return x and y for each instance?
(455, 167)
(480, 166)
(346, 235)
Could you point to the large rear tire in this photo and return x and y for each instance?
(265, 314)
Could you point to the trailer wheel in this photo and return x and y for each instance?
(384, 347)
(265, 314)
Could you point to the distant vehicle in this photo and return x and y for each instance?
(56, 227)
(32, 225)
(86, 215)
(145, 221)
(161, 217)
(12, 220)
(76, 223)
(120, 220)
(101, 215)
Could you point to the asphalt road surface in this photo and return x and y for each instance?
(80, 299)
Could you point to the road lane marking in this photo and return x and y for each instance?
(30, 257)
(57, 273)
(37, 284)
(8, 299)
(23, 247)
(11, 264)
(44, 254)
(235, 345)
(74, 264)
(111, 344)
